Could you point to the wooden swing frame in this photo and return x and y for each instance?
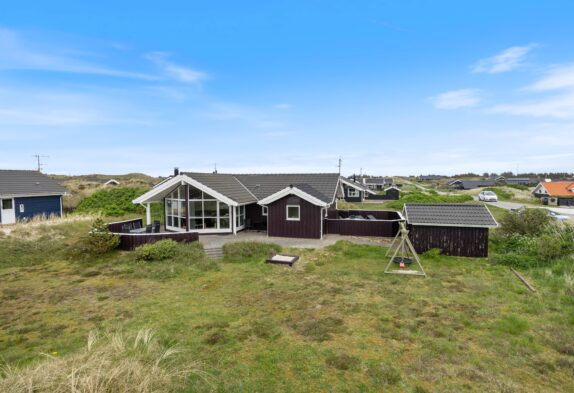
(401, 243)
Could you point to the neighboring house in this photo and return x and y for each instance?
(377, 183)
(430, 177)
(459, 229)
(112, 182)
(471, 184)
(27, 194)
(559, 193)
(354, 191)
(289, 205)
(524, 181)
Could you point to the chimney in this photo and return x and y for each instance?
(176, 171)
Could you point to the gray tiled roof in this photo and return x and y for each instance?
(449, 214)
(356, 184)
(249, 188)
(320, 185)
(225, 184)
(27, 183)
(378, 180)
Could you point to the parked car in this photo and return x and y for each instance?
(487, 196)
(556, 216)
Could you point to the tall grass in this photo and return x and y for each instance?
(108, 363)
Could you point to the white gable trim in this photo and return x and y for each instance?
(395, 187)
(180, 180)
(356, 186)
(292, 191)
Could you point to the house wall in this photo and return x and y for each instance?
(37, 206)
(352, 198)
(254, 216)
(309, 225)
(456, 241)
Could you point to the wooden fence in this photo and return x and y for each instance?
(129, 241)
(385, 224)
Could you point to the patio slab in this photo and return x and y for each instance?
(213, 241)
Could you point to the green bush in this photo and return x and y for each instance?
(419, 197)
(112, 202)
(549, 247)
(100, 240)
(158, 251)
(518, 187)
(525, 222)
(501, 193)
(240, 250)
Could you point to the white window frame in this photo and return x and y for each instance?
(21, 208)
(264, 211)
(353, 193)
(298, 213)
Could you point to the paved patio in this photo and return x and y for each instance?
(214, 241)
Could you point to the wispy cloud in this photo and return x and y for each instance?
(507, 60)
(175, 71)
(559, 107)
(17, 53)
(282, 106)
(561, 77)
(456, 99)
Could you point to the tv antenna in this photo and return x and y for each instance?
(39, 162)
(340, 165)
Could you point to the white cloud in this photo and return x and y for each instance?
(455, 99)
(282, 106)
(559, 107)
(175, 71)
(505, 61)
(17, 53)
(561, 77)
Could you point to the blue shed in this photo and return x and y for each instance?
(27, 194)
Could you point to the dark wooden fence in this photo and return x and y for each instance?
(129, 241)
(385, 224)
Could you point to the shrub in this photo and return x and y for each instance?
(241, 250)
(100, 240)
(111, 363)
(112, 202)
(433, 253)
(549, 247)
(419, 197)
(525, 222)
(158, 251)
(500, 192)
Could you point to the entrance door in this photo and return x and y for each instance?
(8, 213)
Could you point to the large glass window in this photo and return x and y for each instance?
(204, 211)
(240, 216)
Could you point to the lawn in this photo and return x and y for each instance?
(333, 322)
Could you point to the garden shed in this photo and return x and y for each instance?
(458, 229)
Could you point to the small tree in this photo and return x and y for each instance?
(100, 240)
(531, 222)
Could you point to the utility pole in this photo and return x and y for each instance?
(39, 163)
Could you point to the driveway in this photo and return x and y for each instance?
(216, 241)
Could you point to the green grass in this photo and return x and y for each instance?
(333, 322)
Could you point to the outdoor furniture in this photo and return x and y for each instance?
(156, 227)
(137, 225)
(148, 228)
(371, 217)
(126, 228)
(139, 230)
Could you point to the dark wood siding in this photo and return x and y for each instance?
(129, 241)
(456, 241)
(254, 217)
(391, 194)
(308, 227)
(348, 198)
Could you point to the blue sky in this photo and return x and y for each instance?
(392, 87)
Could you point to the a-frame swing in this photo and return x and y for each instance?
(404, 255)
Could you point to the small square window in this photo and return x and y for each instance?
(293, 213)
(264, 210)
(21, 208)
(353, 192)
(7, 204)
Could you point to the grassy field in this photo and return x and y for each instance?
(333, 322)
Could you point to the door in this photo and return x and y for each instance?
(8, 213)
